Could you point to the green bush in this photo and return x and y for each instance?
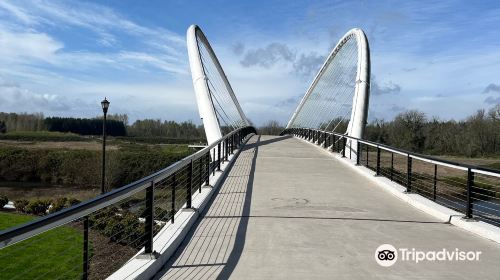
(83, 167)
(58, 204)
(128, 166)
(120, 226)
(20, 205)
(3, 201)
(73, 201)
(61, 203)
(38, 207)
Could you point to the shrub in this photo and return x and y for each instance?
(3, 201)
(119, 226)
(73, 201)
(58, 204)
(38, 207)
(20, 205)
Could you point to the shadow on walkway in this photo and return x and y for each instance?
(213, 246)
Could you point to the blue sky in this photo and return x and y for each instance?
(62, 57)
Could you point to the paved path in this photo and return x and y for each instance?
(288, 210)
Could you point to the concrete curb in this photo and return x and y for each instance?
(169, 238)
(442, 213)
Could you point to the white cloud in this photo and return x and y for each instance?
(17, 12)
(28, 45)
(141, 78)
(144, 69)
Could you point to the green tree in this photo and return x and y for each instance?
(272, 127)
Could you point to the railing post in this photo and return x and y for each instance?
(350, 148)
(218, 155)
(85, 274)
(207, 174)
(226, 150)
(148, 225)
(213, 163)
(324, 140)
(470, 184)
(223, 144)
(392, 166)
(408, 174)
(343, 150)
(232, 144)
(189, 185)
(367, 162)
(172, 209)
(358, 154)
(378, 161)
(435, 182)
(200, 173)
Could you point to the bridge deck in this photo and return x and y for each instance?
(290, 211)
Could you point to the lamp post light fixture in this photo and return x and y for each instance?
(105, 106)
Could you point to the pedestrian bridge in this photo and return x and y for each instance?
(318, 202)
(290, 210)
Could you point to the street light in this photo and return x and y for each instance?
(105, 106)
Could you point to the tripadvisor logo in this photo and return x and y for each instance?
(386, 255)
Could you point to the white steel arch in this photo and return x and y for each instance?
(310, 104)
(214, 94)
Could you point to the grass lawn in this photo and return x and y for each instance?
(56, 254)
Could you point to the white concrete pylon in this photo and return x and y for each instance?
(317, 107)
(196, 41)
(361, 89)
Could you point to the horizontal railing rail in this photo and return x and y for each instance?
(184, 177)
(470, 189)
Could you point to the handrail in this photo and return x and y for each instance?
(466, 197)
(16, 234)
(435, 160)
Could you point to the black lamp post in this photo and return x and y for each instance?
(105, 106)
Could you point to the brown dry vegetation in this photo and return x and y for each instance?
(73, 145)
(29, 191)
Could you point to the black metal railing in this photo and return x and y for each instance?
(96, 237)
(469, 189)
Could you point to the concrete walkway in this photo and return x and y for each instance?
(290, 211)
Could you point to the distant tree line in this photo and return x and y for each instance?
(116, 125)
(477, 135)
(85, 126)
(271, 128)
(21, 122)
(170, 129)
